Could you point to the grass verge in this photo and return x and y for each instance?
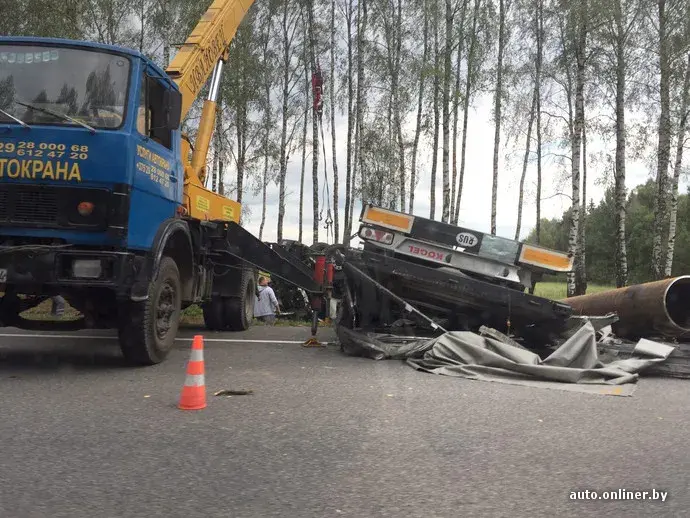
(558, 290)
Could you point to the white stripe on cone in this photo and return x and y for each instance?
(194, 380)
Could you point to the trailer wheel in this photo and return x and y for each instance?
(213, 314)
(147, 329)
(239, 311)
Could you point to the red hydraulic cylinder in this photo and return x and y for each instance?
(317, 300)
(330, 268)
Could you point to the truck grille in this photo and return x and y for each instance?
(28, 204)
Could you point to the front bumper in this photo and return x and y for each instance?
(40, 270)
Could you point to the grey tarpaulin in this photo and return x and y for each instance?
(573, 366)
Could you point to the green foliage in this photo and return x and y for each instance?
(601, 232)
(26, 18)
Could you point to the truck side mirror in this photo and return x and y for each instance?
(172, 106)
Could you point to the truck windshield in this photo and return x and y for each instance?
(84, 85)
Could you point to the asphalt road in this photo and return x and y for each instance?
(322, 435)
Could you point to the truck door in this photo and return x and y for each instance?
(156, 186)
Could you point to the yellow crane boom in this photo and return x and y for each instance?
(202, 56)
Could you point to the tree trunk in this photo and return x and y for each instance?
(676, 170)
(663, 149)
(217, 178)
(497, 109)
(264, 179)
(314, 132)
(304, 148)
(283, 129)
(456, 105)
(437, 115)
(620, 194)
(397, 108)
(420, 105)
(466, 108)
(581, 272)
(142, 28)
(347, 231)
(576, 146)
(361, 31)
(241, 147)
(447, 59)
(528, 142)
(331, 92)
(537, 83)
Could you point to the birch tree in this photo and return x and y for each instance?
(291, 74)
(332, 108)
(437, 115)
(362, 17)
(474, 66)
(539, 30)
(683, 114)
(422, 72)
(503, 6)
(348, 12)
(459, 31)
(664, 141)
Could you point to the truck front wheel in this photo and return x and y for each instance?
(147, 329)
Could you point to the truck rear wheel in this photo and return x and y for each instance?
(213, 314)
(239, 311)
(147, 329)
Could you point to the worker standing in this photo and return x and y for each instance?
(266, 304)
(58, 309)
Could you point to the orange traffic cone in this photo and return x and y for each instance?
(193, 395)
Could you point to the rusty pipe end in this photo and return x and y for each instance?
(659, 307)
(677, 303)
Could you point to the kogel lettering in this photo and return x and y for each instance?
(431, 254)
(61, 171)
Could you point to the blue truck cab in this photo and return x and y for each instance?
(91, 179)
(92, 202)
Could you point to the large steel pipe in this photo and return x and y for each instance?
(650, 309)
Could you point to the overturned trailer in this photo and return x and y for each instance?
(414, 275)
(444, 295)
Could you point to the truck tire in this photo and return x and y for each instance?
(238, 311)
(147, 329)
(213, 314)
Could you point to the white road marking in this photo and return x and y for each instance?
(104, 337)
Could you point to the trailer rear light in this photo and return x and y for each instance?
(388, 219)
(85, 208)
(547, 259)
(372, 234)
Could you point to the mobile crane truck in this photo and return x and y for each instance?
(102, 197)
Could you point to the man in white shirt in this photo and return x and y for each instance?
(266, 304)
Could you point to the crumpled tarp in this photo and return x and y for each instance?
(573, 366)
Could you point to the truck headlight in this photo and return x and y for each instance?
(87, 268)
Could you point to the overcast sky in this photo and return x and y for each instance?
(475, 211)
